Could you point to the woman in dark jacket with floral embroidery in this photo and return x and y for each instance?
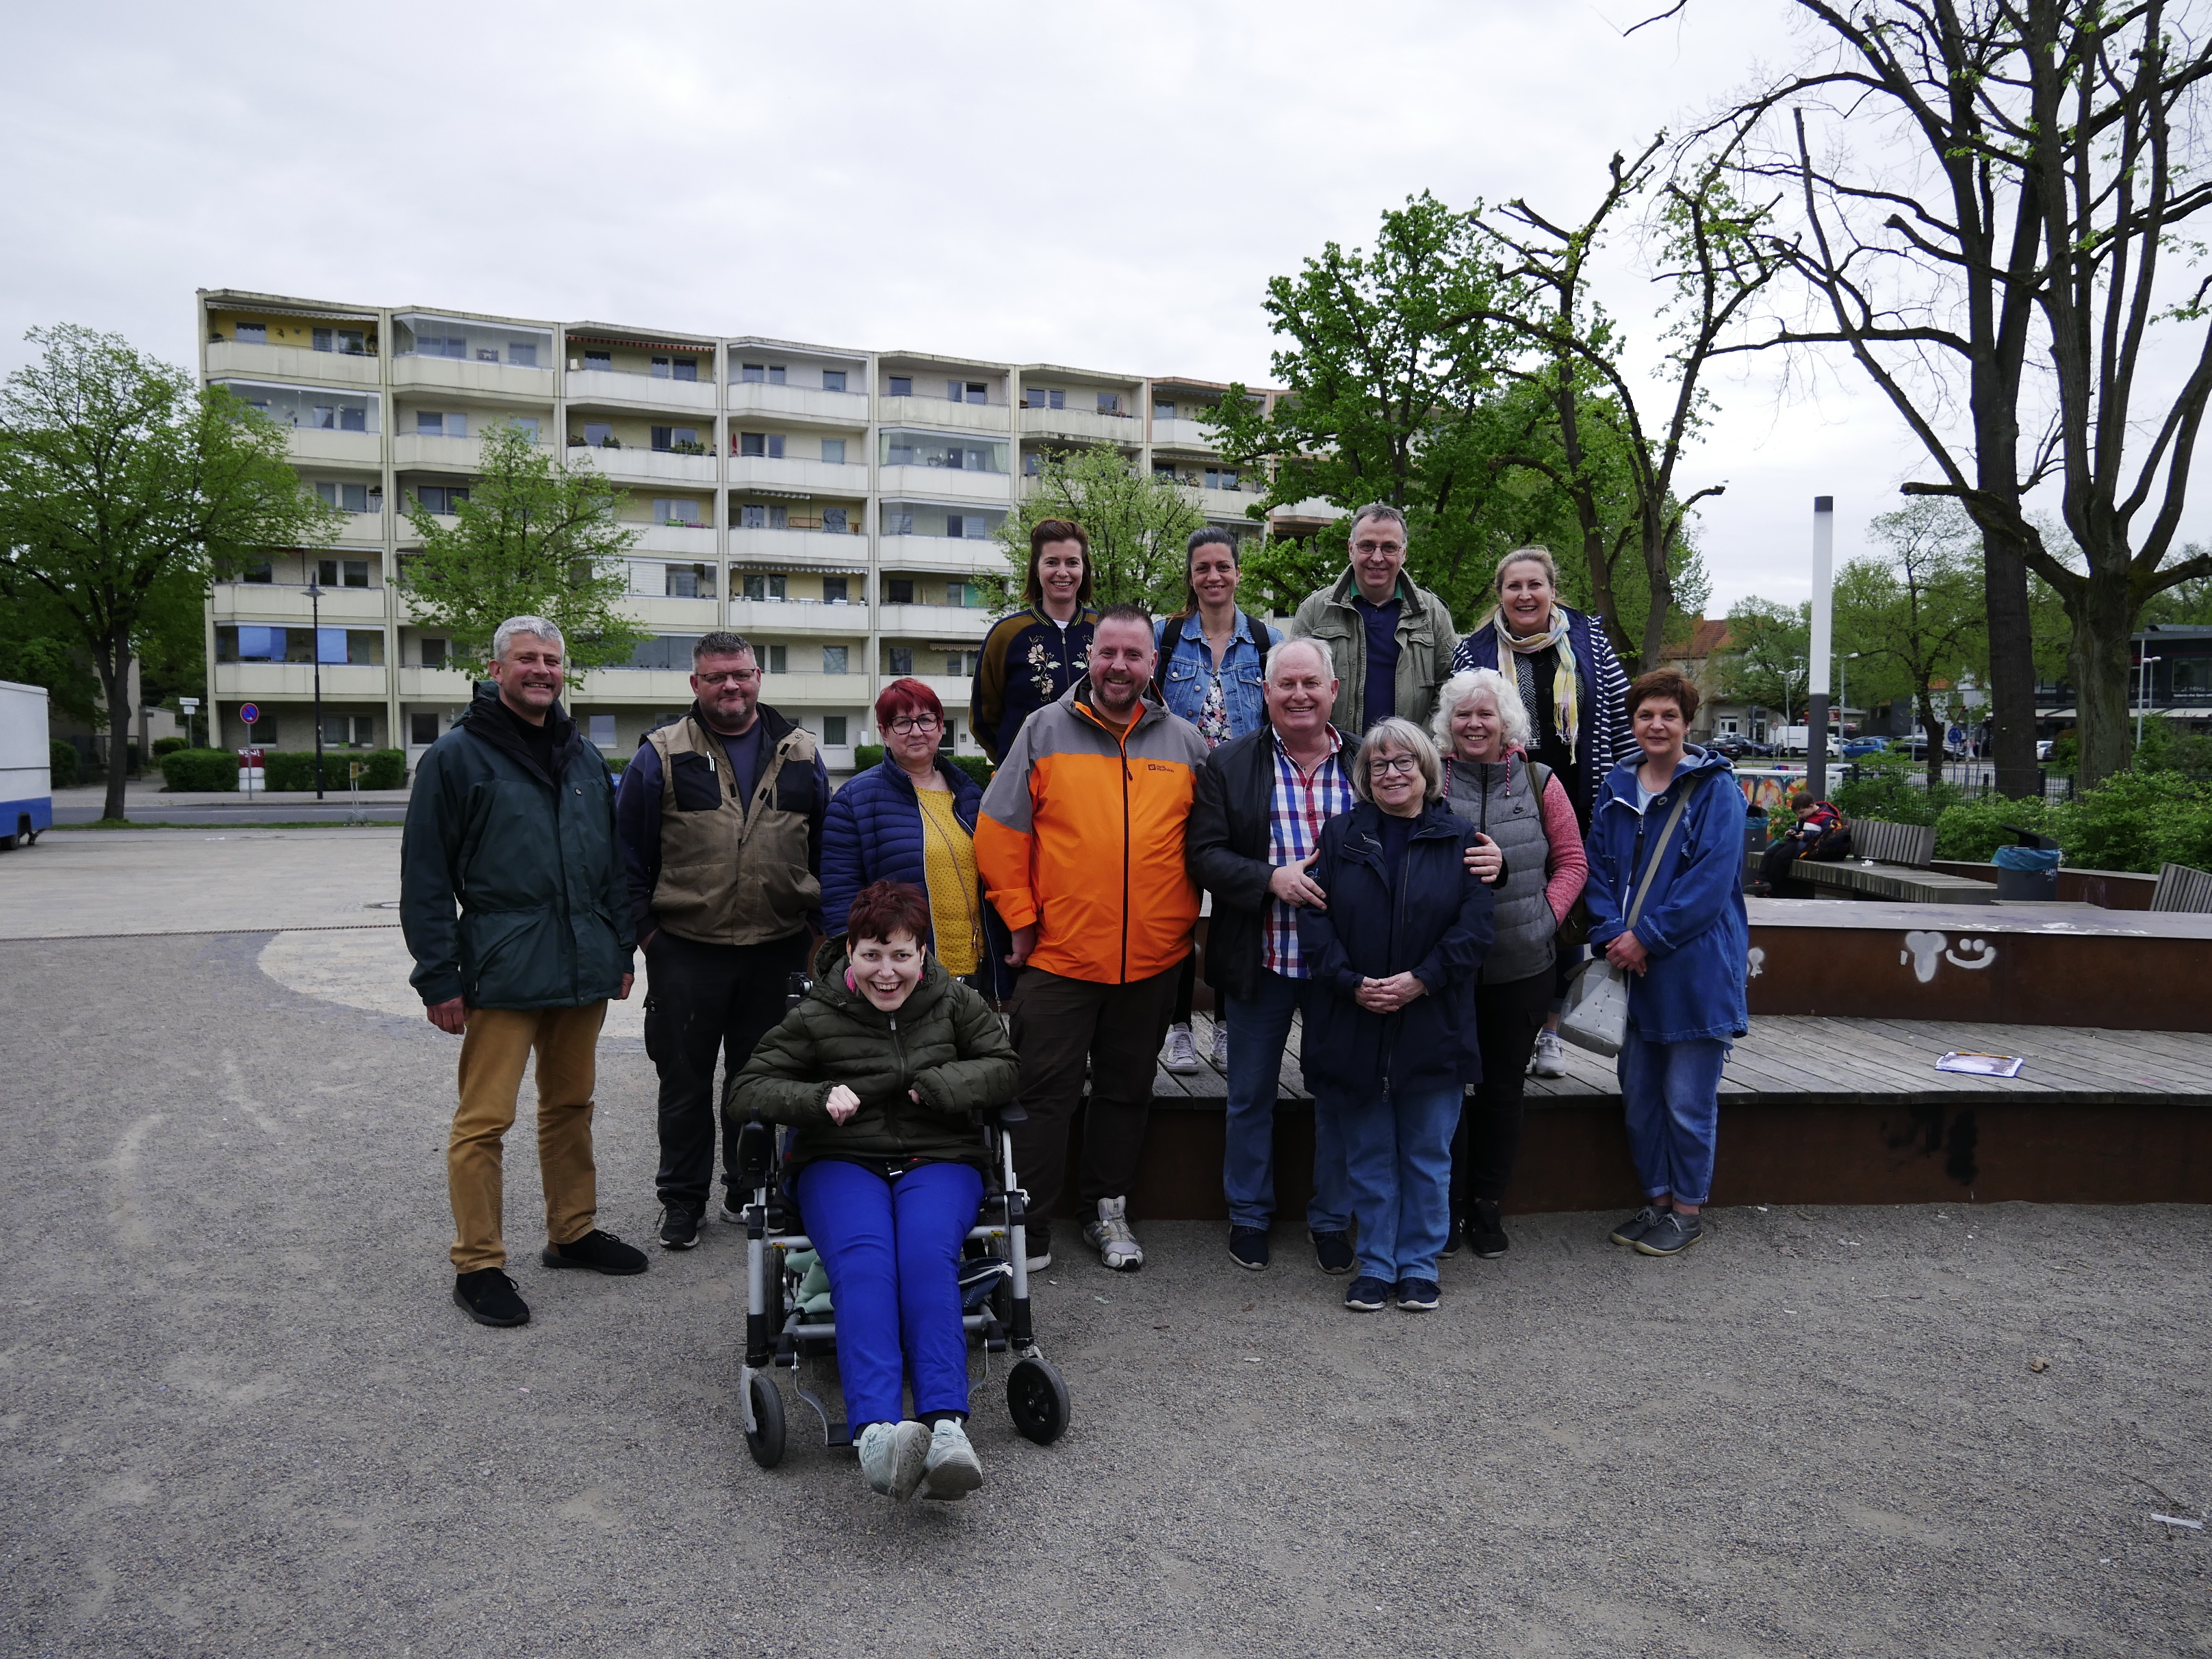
(1031, 657)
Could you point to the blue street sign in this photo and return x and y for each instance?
(250, 715)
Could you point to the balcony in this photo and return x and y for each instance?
(1176, 434)
(616, 388)
(681, 541)
(933, 622)
(433, 684)
(275, 602)
(808, 616)
(646, 465)
(1221, 503)
(939, 483)
(1083, 426)
(341, 681)
(943, 414)
(952, 691)
(420, 449)
(362, 527)
(669, 688)
(800, 549)
(810, 405)
(321, 444)
(661, 614)
(952, 555)
(1312, 508)
(230, 358)
(785, 691)
(496, 381)
(815, 477)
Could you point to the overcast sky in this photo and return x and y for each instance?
(1106, 185)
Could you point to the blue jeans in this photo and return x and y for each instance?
(1259, 1028)
(1397, 1161)
(892, 1251)
(1671, 1091)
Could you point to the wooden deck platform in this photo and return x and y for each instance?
(1813, 1111)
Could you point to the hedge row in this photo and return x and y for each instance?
(198, 771)
(866, 755)
(61, 761)
(194, 770)
(2133, 821)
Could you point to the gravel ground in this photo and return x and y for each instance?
(239, 1415)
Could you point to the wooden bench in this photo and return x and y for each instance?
(1890, 861)
(2182, 888)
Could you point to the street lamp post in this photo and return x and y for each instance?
(315, 614)
(2143, 693)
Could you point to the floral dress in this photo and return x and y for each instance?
(1213, 721)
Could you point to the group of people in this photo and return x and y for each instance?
(1408, 838)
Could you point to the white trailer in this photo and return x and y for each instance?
(27, 795)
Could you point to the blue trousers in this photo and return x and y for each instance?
(1259, 1029)
(1673, 1093)
(1397, 1165)
(892, 1251)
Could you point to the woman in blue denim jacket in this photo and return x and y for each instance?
(1212, 667)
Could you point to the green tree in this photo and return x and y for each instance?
(1137, 526)
(537, 537)
(1920, 609)
(124, 490)
(1388, 373)
(1765, 664)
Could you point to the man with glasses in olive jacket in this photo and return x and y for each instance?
(512, 821)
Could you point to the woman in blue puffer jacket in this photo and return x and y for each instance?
(1685, 957)
(912, 819)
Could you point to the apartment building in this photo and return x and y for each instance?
(835, 506)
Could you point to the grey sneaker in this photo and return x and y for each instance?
(1671, 1234)
(1110, 1237)
(894, 1457)
(1635, 1226)
(952, 1470)
(1550, 1057)
(1181, 1053)
(1221, 1044)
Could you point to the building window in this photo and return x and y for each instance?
(833, 451)
(901, 385)
(925, 449)
(834, 520)
(1040, 396)
(440, 498)
(775, 374)
(752, 516)
(1220, 478)
(421, 729)
(833, 659)
(342, 572)
(599, 434)
(521, 355)
(833, 731)
(778, 658)
(671, 510)
(961, 593)
(1032, 463)
(1109, 402)
(897, 524)
(763, 586)
(833, 380)
(898, 590)
(352, 342)
(1162, 411)
(767, 444)
(253, 334)
(678, 440)
(689, 581)
(433, 654)
(601, 731)
(779, 518)
(834, 589)
(599, 362)
(901, 658)
(957, 663)
(351, 497)
(258, 569)
(753, 372)
(664, 652)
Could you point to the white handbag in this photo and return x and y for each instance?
(1595, 1016)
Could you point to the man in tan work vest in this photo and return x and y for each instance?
(719, 814)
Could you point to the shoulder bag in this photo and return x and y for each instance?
(1596, 1014)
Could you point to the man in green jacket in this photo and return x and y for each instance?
(511, 820)
(1391, 641)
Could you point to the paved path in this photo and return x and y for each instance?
(239, 1416)
(148, 802)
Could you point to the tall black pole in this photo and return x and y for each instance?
(1816, 698)
(315, 604)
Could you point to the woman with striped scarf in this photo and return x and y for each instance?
(1576, 695)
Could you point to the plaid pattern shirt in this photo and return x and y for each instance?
(1304, 801)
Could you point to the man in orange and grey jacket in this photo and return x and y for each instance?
(1080, 841)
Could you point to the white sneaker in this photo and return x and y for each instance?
(1110, 1237)
(1181, 1053)
(1221, 1043)
(894, 1457)
(1550, 1058)
(953, 1470)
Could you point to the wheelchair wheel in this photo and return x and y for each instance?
(765, 1439)
(1038, 1400)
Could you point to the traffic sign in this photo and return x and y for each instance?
(249, 715)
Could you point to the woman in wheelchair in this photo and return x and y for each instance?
(880, 1071)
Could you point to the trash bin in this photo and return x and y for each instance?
(2030, 870)
(1754, 844)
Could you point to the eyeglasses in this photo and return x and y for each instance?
(1378, 547)
(734, 677)
(1403, 764)
(906, 723)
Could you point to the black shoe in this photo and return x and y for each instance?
(489, 1297)
(1486, 1230)
(600, 1251)
(679, 1227)
(1332, 1253)
(1454, 1236)
(1671, 1234)
(1248, 1247)
(1416, 1296)
(1635, 1226)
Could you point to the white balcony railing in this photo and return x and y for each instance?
(938, 483)
(943, 414)
(646, 465)
(498, 380)
(629, 389)
(1173, 433)
(1083, 425)
(808, 403)
(952, 555)
(311, 444)
(808, 616)
(829, 477)
(341, 682)
(448, 685)
(800, 547)
(933, 622)
(230, 358)
(694, 541)
(288, 602)
(421, 449)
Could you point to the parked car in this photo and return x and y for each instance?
(1916, 747)
(2043, 746)
(1736, 746)
(1860, 746)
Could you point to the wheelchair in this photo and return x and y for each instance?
(783, 1332)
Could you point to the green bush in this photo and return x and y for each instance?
(387, 769)
(616, 762)
(866, 755)
(1974, 830)
(61, 760)
(168, 746)
(2167, 747)
(2138, 820)
(294, 768)
(977, 766)
(194, 771)
(1886, 789)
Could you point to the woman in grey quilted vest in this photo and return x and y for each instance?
(1521, 807)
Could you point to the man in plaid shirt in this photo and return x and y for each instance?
(1256, 823)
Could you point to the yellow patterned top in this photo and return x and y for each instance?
(948, 855)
